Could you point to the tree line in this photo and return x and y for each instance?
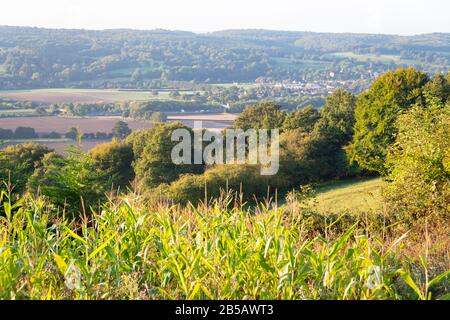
(397, 129)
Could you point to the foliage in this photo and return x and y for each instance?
(376, 113)
(121, 130)
(72, 183)
(153, 163)
(25, 133)
(264, 115)
(243, 181)
(115, 160)
(17, 164)
(73, 134)
(337, 117)
(419, 176)
(303, 119)
(34, 57)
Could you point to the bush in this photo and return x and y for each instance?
(239, 180)
(418, 163)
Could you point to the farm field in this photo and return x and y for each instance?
(81, 95)
(352, 196)
(106, 123)
(62, 125)
(213, 122)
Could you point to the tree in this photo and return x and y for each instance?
(121, 130)
(338, 117)
(115, 159)
(438, 88)
(153, 162)
(25, 133)
(6, 134)
(264, 115)
(137, 75)
(376, 112)
(418, 162)
(72, 183)
(73, 134)
(303, 119)
(18, 163)
(158, 116)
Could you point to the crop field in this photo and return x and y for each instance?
(106, 123)
(130, 251)
(63, 125)
(81, 95)
(213, 122)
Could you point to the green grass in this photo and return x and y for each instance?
(38, 140)
(366, 57)
(17, 112)
(353, 196)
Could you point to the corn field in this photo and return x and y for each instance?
(132, 250)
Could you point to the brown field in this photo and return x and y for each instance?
(63, 125)
(105, 124)
(80, 95)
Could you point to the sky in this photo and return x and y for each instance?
(403, 17)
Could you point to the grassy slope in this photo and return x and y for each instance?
(354, 196)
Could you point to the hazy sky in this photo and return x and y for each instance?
(371, 16)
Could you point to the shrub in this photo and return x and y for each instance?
(418, 162)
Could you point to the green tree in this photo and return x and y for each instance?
(376, 112)
(121, 130)
(303, 119)
(264, 115)
(18, 163)
(419, 175)
(6, 134)
(73, 134)
(25, 133)
(72, 183)
(437, 89)
(153, 147)
(115, 159)
(338, 117)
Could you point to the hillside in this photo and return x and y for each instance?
(37, 58)
(352, 196)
